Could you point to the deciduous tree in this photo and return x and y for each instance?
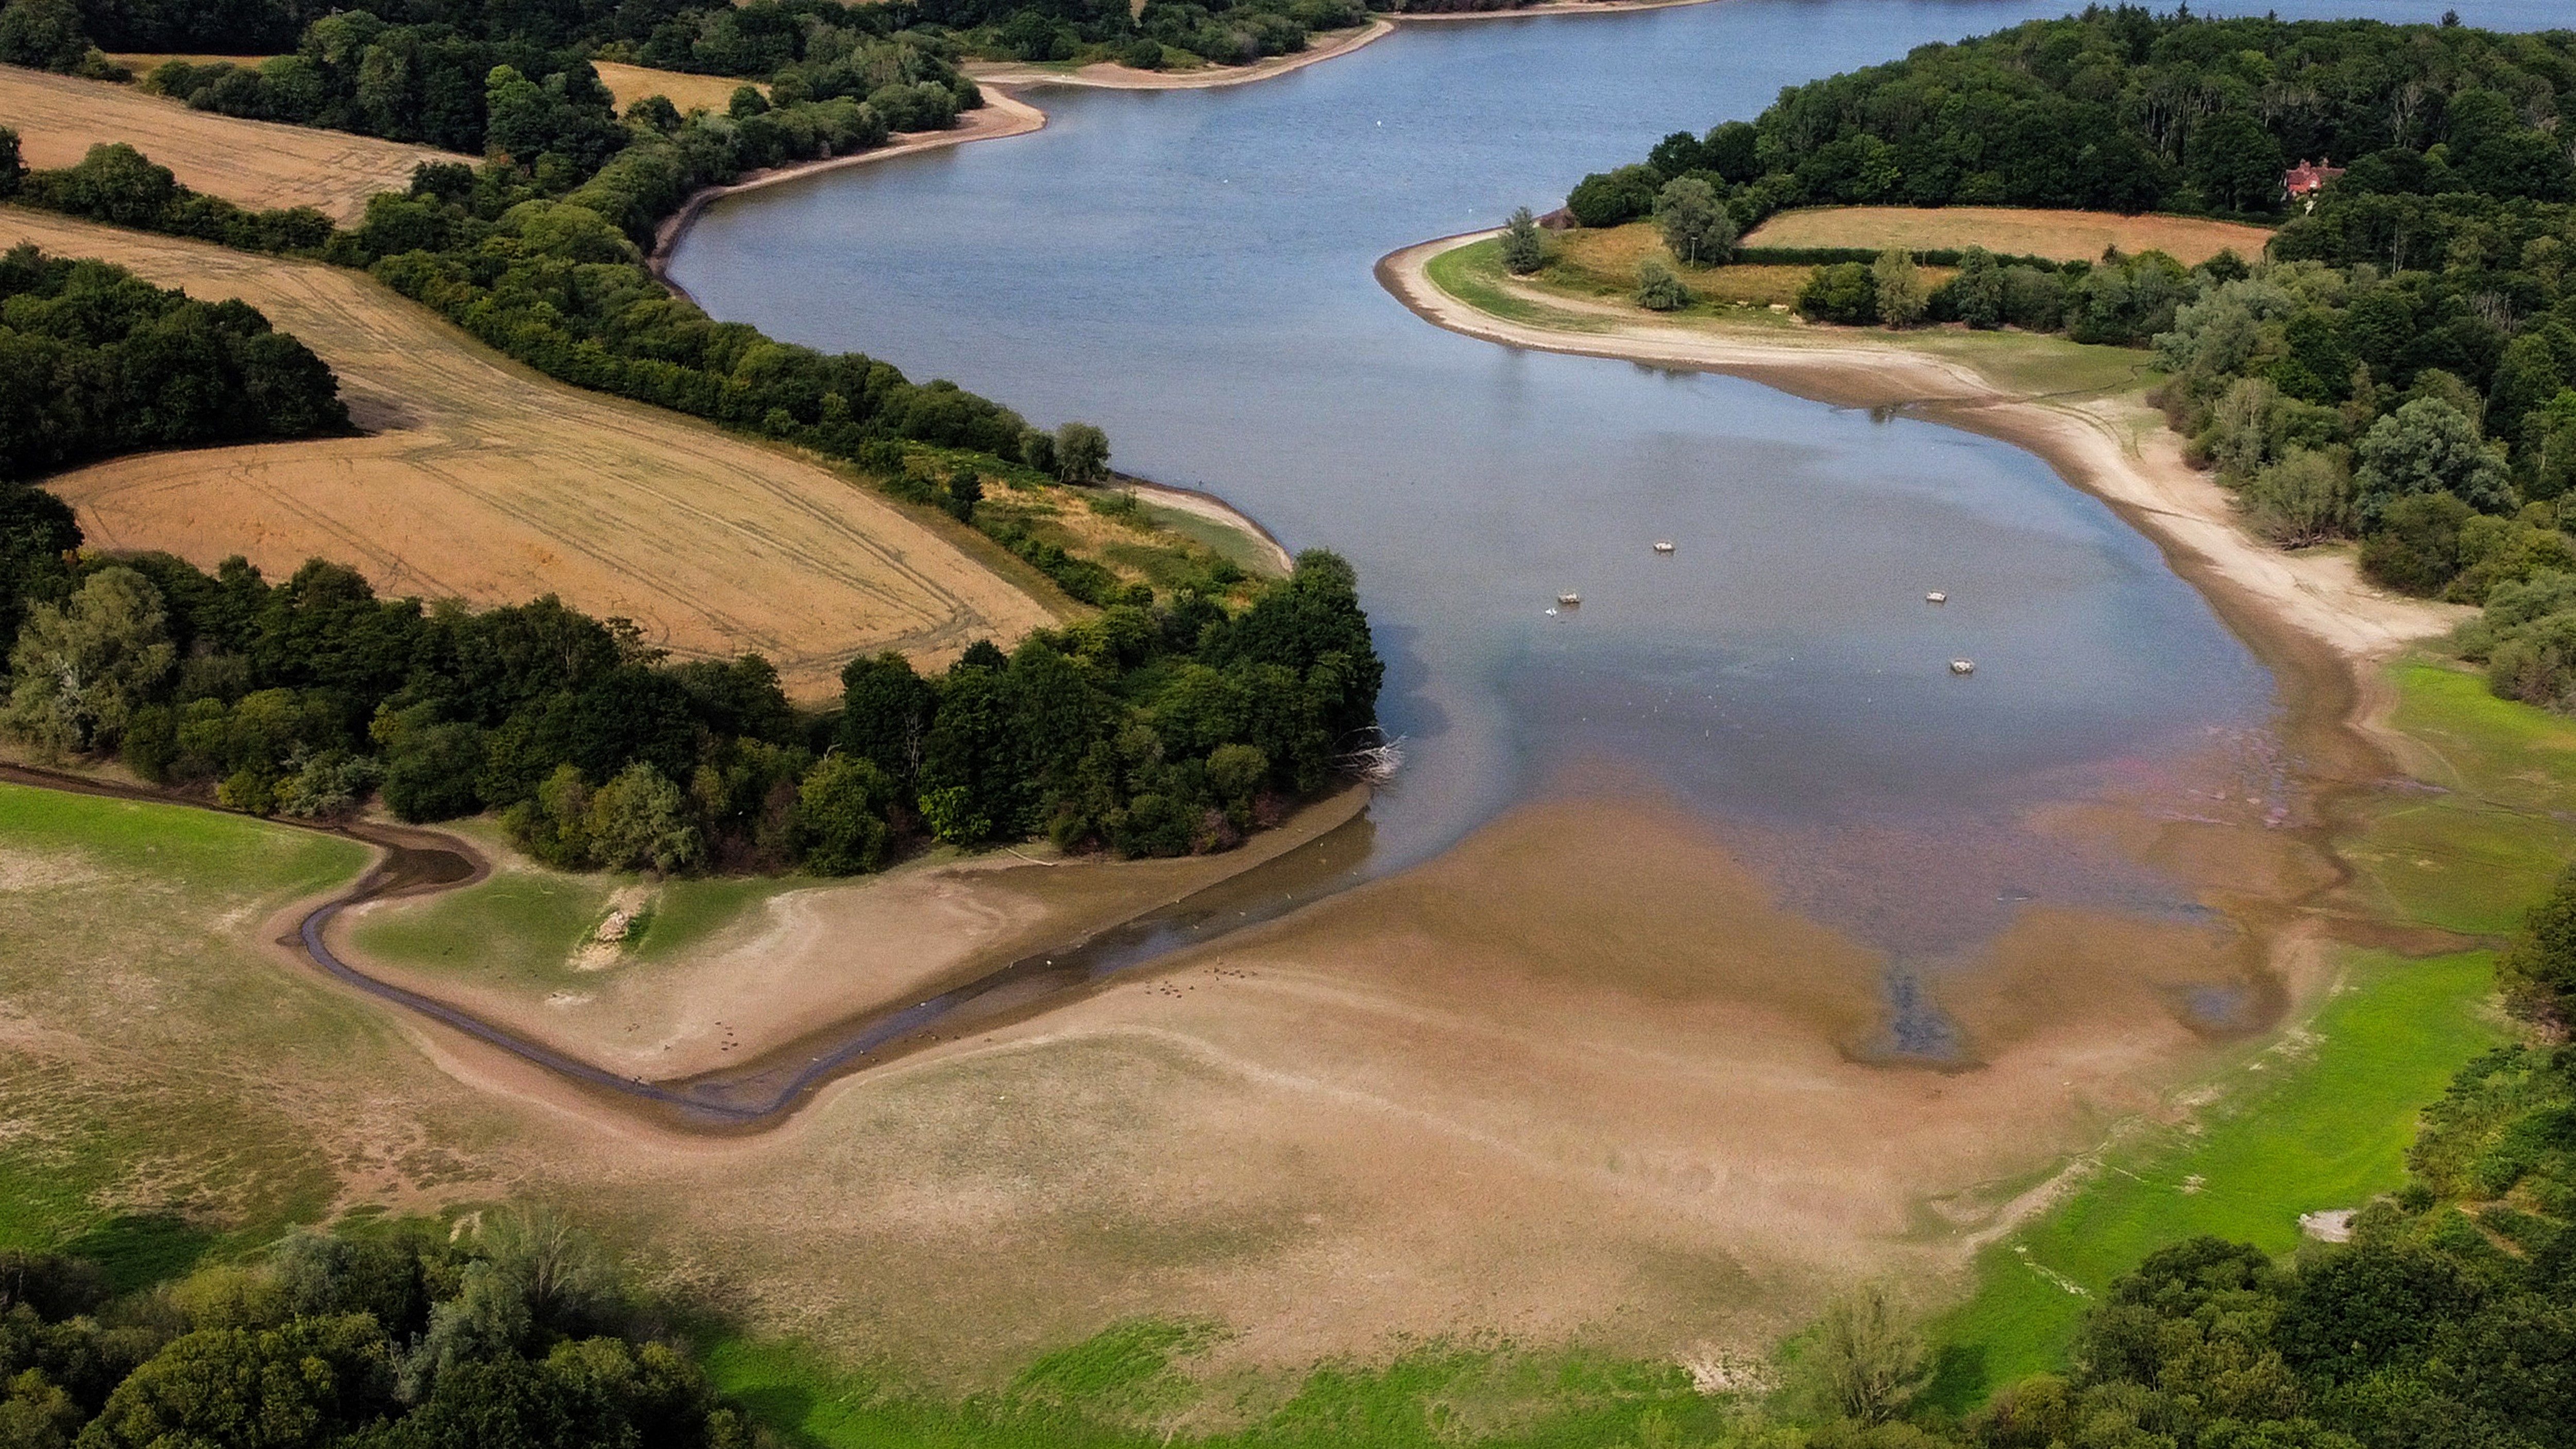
(81, 668)
(1695, 223)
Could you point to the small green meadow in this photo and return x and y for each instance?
(2318, 1120)
(129, 1137)
(521, 926)
(1128, 1387)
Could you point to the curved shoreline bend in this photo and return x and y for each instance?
(1018, 117)
(2313, 605)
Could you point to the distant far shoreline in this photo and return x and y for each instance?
(1001, 80)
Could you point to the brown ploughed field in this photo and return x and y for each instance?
(480, 480)
(2065, 236)
(258, 164)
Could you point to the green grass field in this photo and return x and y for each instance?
(1474, 273)
(2473, 852)
(520, 927)
(136, 1083)
(1128, 1388)
(2320, 1120)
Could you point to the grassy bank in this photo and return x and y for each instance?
(522, 925)
(1128, 1387)
(2493, 827)
(1595, 272)
(2317, 1120)
(2322, 1118)
(146, 1046)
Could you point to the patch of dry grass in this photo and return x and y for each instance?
(1604, 262)
(257, 164)
(156, 1061)
(631, 83)
(2066, 236)
(483, 481)
(144, 62)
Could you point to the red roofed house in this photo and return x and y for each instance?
(2308, 178)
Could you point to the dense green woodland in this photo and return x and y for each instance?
(1149, 729)
(100, 362)
(396, 1335)
(2123, 109)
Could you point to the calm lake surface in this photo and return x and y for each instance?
(1192, 271)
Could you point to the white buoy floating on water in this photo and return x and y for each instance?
(1936, 597)
(1663, 545)
(1963, 666)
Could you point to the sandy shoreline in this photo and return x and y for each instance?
(1106, 75)
(2114, 448)
(1002, 114)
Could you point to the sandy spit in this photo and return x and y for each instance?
(1216, 510)
(2114, 448)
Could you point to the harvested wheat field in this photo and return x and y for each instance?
(482, 481)
(257, 164)
(631, 83)
(2066, 236)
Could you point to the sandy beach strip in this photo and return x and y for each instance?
(1110, 76)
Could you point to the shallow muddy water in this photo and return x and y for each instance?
(1192, 270)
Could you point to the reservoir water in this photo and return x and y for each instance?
(1192, 271)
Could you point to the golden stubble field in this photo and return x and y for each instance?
(482, 481)
(628, 84)
(2067, 236)
(257, 164)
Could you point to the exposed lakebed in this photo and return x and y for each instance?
(1192, 270)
